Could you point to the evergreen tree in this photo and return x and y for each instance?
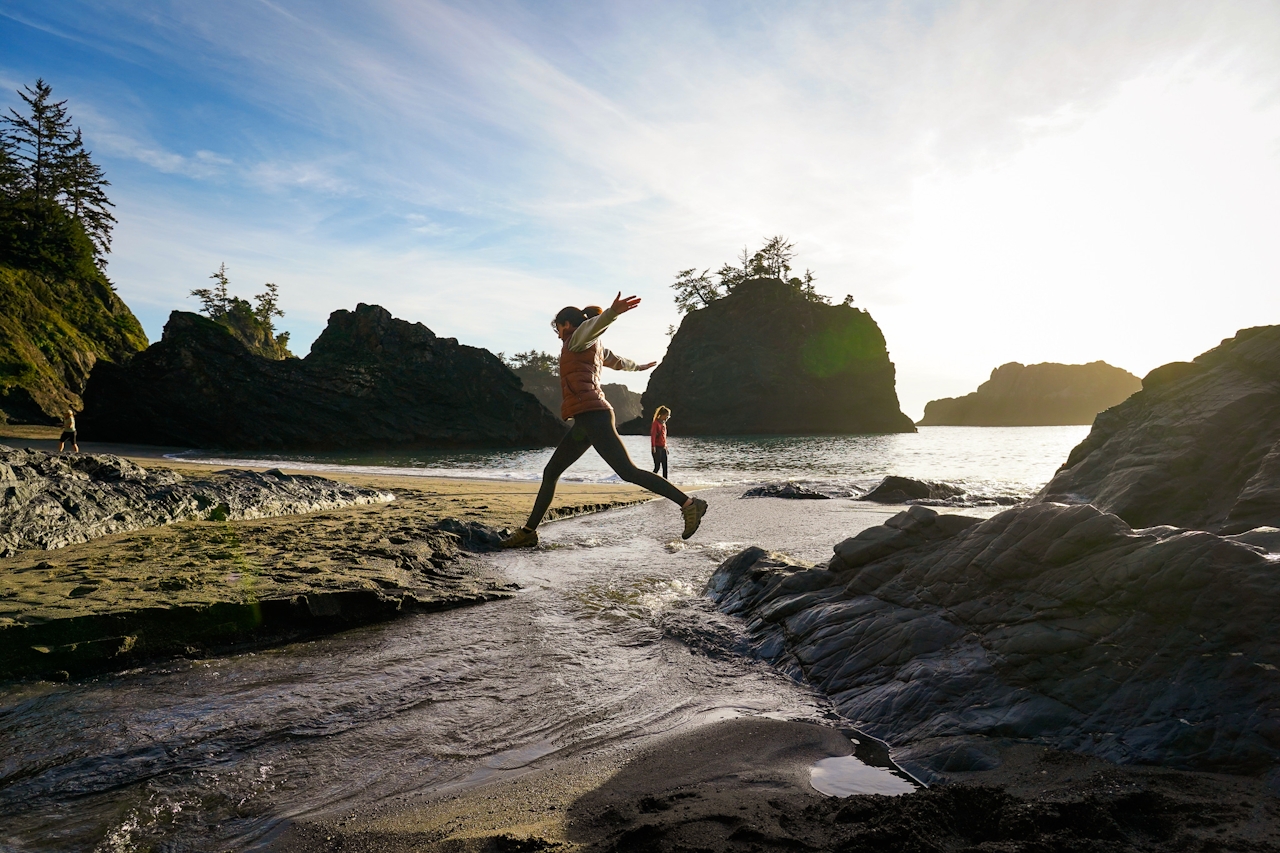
(45, 172)
(253, 324)
(43, 140)
(773, 260)
(217, 299)
(85, 196)
(10, 170)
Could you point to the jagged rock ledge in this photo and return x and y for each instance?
(1059, 625)
(51, 501)
(790, 491)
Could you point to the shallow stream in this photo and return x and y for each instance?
(608, 643)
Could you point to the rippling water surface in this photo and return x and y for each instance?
(608, 642)
(985, 459)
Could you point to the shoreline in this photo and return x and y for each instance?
(195, 588)
(743, 785)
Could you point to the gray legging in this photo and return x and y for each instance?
(596, 429)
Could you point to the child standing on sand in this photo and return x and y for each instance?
(581, 358)
(658, 439)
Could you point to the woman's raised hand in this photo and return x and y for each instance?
(622, 306)
(646, 366)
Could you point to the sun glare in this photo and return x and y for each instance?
(1141, 235)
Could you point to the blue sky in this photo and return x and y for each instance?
(994, 181)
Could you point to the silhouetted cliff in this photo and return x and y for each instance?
(1036, 395)
(370, 382)
(765, 359)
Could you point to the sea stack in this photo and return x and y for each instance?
(767, 360)
(1036, 395)
(371, 382)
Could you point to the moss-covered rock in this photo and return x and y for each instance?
(52, 332)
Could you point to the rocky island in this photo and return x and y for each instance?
(766, 359)
(1036, 395)
(371, 381)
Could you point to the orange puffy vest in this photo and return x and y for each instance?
(580, 389)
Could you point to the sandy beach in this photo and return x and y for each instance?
(196, 586)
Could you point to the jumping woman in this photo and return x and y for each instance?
(581, 357)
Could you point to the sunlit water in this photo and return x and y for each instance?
(995, 460)
(608, 642)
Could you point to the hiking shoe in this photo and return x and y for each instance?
(522, 538)
(693, 514)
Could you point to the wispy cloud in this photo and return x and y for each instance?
(530, 152)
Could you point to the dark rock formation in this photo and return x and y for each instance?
(1036, 395)
(52, 501)
(1056, 623)
(1198, 446)
(792, 491)
(370, 382)
(899, 490)
(545, 385)
(767, 360)
(52, 332)
(626, 403)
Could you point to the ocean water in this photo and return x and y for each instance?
(996, 461)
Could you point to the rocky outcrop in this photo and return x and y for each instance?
(52, 333)
(767, 360)
(370, 382)
(51, 501)
(626, 403)
(790, 491)
(1198, 446)
(1059, 624)
(545, 385)
(899, 490)
(1036, 395)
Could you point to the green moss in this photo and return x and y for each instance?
(52, 330)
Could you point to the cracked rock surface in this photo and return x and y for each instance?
(1050, 623)
(50, 501)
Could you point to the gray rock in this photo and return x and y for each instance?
(1197, 447)
(897, 490)
(51, 501)
(791, 491)
(1047, 622)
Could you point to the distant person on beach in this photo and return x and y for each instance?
(581, 358)
(68, 432)
(658, 439)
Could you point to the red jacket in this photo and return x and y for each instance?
(658, 434)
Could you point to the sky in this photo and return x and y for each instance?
(994, 181)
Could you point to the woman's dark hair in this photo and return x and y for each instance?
(572, 316)
(592, 311)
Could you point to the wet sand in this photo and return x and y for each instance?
(743, 785)
(127, 597)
